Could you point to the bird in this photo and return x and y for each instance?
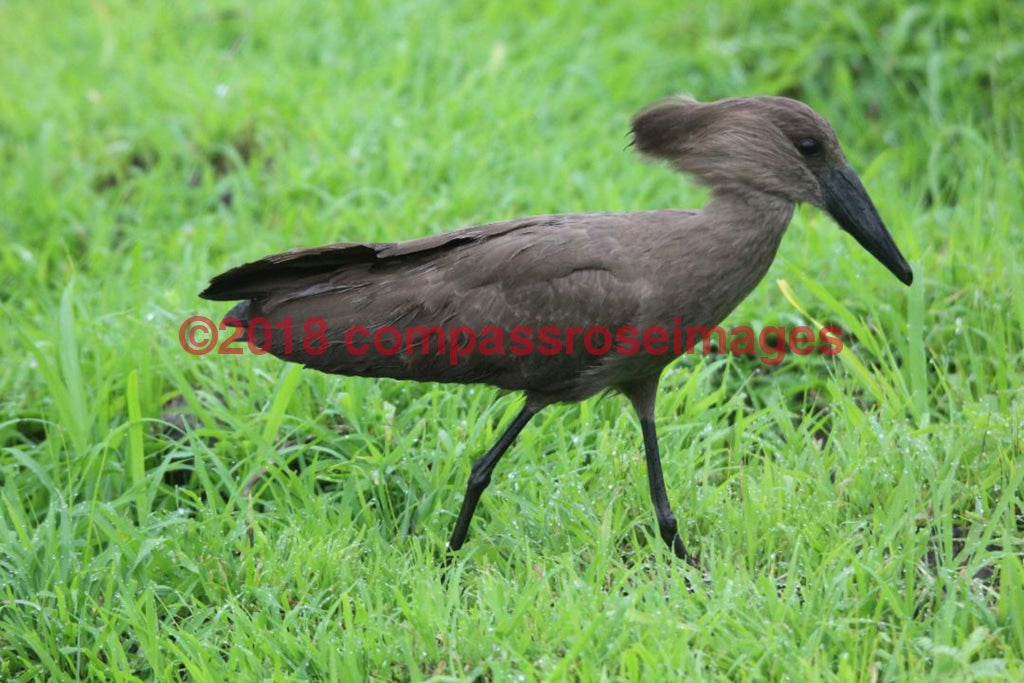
(758, 157)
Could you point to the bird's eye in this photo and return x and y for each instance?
(808, 146)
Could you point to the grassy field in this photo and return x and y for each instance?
(171, 517)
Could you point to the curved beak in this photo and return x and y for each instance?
(848, 203)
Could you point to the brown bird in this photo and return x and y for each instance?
(628, 273)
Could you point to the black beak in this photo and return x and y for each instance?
(849, 204)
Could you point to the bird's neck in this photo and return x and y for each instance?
(750, 216)
(747, 229)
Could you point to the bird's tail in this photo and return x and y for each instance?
(289, 270)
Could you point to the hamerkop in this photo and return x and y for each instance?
(759, 156)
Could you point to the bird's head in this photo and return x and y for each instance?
(767, 145)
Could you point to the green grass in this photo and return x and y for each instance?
(842, 507)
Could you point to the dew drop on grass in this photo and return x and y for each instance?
(24, 254)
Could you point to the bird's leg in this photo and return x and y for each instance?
(480, 476)
(666, 518)
(642, 394)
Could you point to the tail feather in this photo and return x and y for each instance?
(288, 270)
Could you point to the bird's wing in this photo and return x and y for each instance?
(291, 269)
